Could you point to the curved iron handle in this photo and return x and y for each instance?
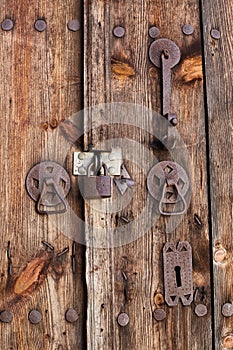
(182, 199)
(57, 191)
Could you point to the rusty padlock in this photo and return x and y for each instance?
(95, 186)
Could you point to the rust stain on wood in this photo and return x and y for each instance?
(121, 69)
(190, 69)
(70, 131)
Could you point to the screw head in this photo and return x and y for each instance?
(154, 32)
(82, 170)
(6, 316)
(159, 314)
(227, 310)
(119, 31)
(123, 319)
(111, 170)
(40, 25)
(81, 156)
(34, 316)
(71, 315)
(201, 310)
(188, 29)
(74, 25)
(215, 34)
(7, 24)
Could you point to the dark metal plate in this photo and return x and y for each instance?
(160, 46)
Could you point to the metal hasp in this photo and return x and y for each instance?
(165, 54)
(112, 159)
(168, 183)
(48, 183)
(178, 281)
(94, 185)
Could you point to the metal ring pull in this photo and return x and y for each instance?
(162, 212)
(45, 203)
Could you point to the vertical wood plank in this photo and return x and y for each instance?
(40, 87)
(218, 63)
(129, 278)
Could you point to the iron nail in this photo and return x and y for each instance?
(119, 31)
(7, 24)
(159, 314)
(123, 319)
(6, 316)
(48, 245)
(200, 310)
(102, 306)
(124, 219)
(9, 250)
(74, 25)
(197, 220)
(188, 29)
(40, 25)
(174, 121)
(34, 316)
(154, 32)
(71, 315)
(227, 310)
(215, 34)
(64, 251)
(124, 276)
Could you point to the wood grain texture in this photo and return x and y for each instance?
(218, 62)
(39, 87)
(118, 70)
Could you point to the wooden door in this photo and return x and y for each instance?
(104, 258)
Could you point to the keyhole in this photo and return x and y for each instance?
(178, 276)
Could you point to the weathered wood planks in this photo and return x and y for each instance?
(40, 86)
(118, 70)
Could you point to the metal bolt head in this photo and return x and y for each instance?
(6, 316)
(74, 25)
(71, 315)
(7, 24)
(111, 170)
(215, 34)
(188, 29)
(201, 310)
(123, 319)
(40, 25)
(227, 310)
(119, 31)
(154, 32)
(34, 316)
(159, 314)
(82, 170)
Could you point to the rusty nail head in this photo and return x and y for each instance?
(34, 316)
(200, 310)
(215, 34)
(227, 310)
(123, 319)
(40, 25)
(6, 316)
(119, 31)
(71, 315)
(7, 24)
(159, 314)
(188, 29)
(154, 32)
(74, 25)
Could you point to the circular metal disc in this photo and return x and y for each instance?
(47, 170)
(161, 45)
(157, 176)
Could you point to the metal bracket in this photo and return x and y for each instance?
(112, 159)
(165, 54)
(48, 184)
(178, 281)
(124, 181)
